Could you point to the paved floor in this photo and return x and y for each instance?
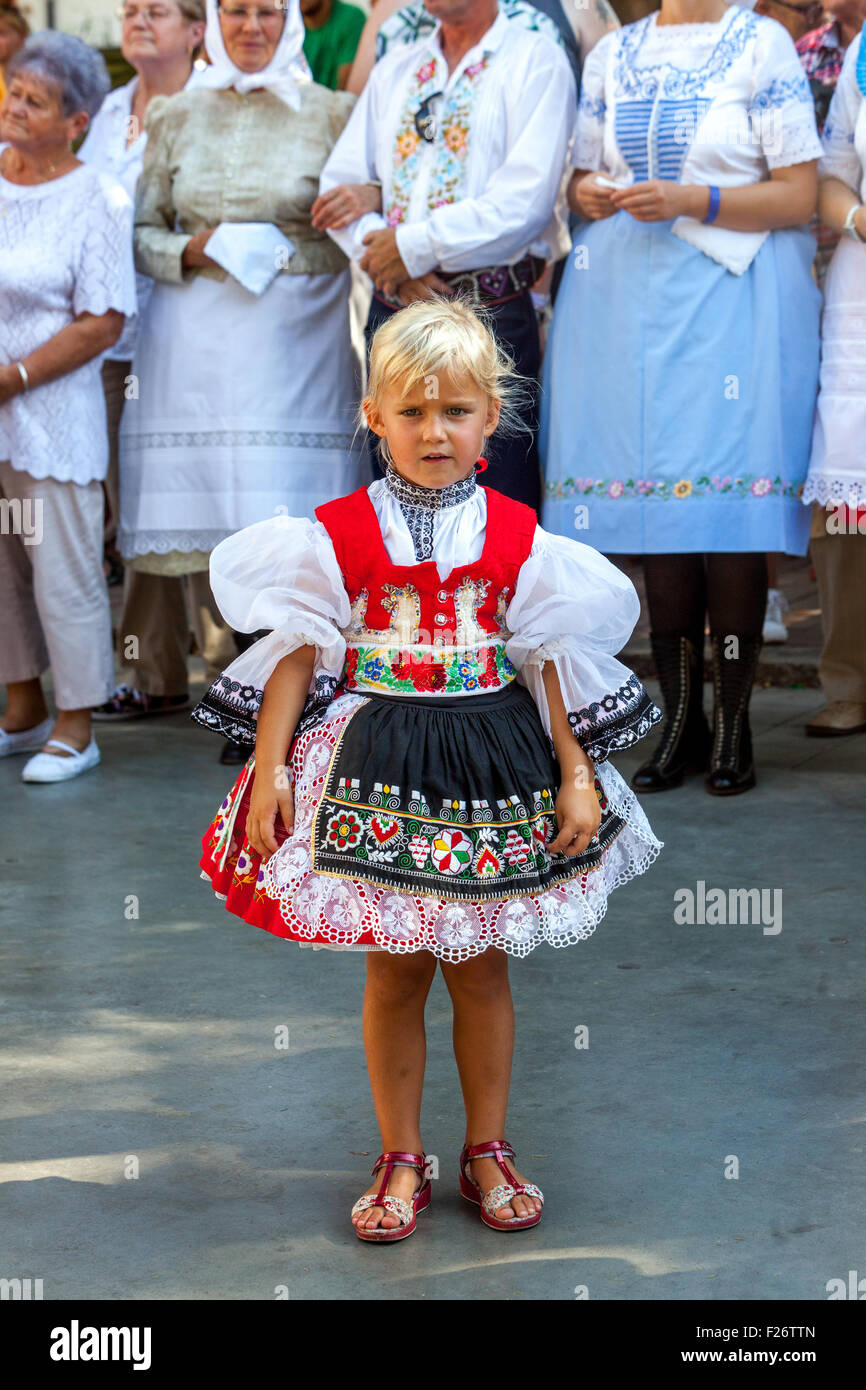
(159, 1146)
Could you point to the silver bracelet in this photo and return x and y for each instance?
(850, 225)
(23, 373)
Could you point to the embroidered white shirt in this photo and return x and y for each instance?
(522, 120)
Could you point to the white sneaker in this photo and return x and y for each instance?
(26, 740)
(45, 767)
(774, 628)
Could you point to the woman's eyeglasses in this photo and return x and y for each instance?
(153, 14)
(237, 14)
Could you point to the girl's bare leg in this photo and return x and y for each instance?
(483, 1046)
(396, 1049)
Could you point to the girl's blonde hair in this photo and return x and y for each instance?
(438, 335)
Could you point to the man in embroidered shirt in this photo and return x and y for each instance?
(467, 130)
(414, 21)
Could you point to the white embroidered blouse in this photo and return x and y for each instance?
(65, 250)
(483, 195)
(715, 103)
(570, 606)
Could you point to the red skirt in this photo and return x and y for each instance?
(415, 870)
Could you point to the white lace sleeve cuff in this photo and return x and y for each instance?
(573, 607)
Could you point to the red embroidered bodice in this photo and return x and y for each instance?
(412, 632)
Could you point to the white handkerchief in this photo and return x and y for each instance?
(734, 250)
(253, 252)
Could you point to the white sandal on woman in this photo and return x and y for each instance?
(45, 767)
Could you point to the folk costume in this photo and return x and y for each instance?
(245, 401)
(685, 352)
(423, 772)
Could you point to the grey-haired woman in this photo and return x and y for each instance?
(66, 285)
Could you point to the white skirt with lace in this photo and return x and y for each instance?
(242, 409)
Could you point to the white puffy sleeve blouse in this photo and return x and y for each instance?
(571, 606)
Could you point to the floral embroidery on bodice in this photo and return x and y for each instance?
(451, 122)
(412, 632)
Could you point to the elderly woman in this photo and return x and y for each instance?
(245, 374)
(66, 284)
(837, 470)
(681, 370)
(159, 39)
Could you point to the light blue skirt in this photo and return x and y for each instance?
(678, 398)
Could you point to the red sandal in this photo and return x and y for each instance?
(407, 1212)
(501, 1195)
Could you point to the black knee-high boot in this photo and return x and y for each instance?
(731, 768)
(685, 740)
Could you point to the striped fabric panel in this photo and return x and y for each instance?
(631, 127)
(655, 146)
(677, 123)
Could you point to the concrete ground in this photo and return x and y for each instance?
(159, 1146)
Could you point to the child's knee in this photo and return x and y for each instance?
(482, 977)
(400, 979)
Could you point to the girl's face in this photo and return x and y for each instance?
(436, 430)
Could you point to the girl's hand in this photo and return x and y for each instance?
(589, 199)
(578, 814)
(658, 200)
(266, 802)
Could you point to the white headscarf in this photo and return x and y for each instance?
(282, 75)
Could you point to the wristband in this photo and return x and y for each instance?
(22, 370)
(715, 200)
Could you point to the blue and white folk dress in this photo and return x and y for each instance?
(681, 370)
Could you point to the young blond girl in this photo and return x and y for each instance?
(441, 673)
